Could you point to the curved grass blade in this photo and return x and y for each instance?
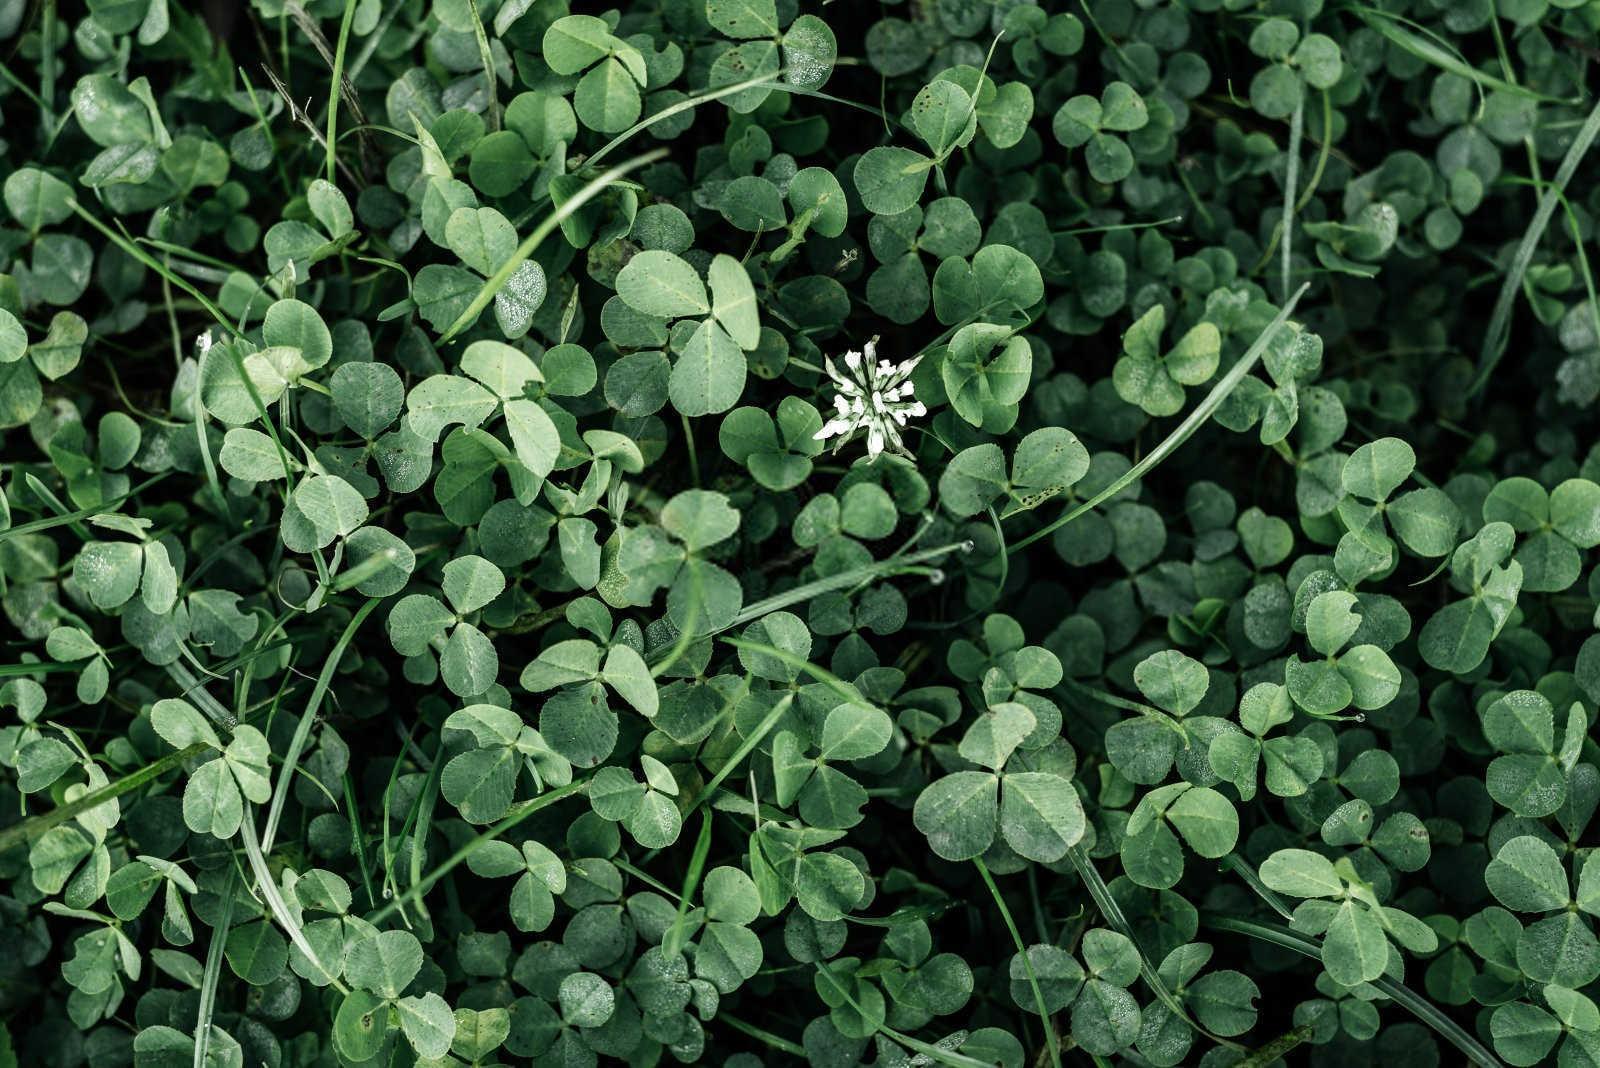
(1101, 893)
(1392, 29)
(459, 857)
(29, 829)
(1420, 1007)
(1494, 341)
(302, 730)
(1184, 431)
(688, 104)
(497, 281)
(1027, 962)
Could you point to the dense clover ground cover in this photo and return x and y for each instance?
(941, 532)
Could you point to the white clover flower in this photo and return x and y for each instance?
(872, 395)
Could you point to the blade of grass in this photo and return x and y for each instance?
(13, 671)
(391, 848)
(1394, 29)
(1027, 962)
(490, 88)
(822, 675)
(212, 974)
(1197, 418)
(459, 857)
(198, 404)
(1234, 862)
(768, 721)
(1324, 149)
(855, 576)
(334, 84)
(686, 633)
(358, 840)
(672, 941)
(302, 730)
(43, 492)
(34, 526)
(47, 70)
(275, 904)
(1291, 175)
(916, 1045)
(593, 188)
(1494, 340)
(770, 80)
(1278, 1047)
(1101, 894)
(29, 829)
(767, 1038)
(1413, 1002)
(132, 248)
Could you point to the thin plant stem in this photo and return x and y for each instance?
(1027, 962)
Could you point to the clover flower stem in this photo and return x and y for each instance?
(923, 525)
